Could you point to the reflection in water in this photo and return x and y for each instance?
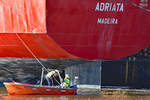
(40, 97)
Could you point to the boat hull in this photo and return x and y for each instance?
(88, 29)
(14, 88)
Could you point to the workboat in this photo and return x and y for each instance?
(15, 88)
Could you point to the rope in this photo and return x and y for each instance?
(59, 78)
(132, 3)
(31, 52)
(56, 80)
(37, 58)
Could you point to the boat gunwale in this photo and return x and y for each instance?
(38, 86)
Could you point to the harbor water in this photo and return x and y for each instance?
(78, 97)
(119, 96)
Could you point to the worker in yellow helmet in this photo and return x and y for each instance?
(66, 83)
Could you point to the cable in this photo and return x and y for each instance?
(31, 51)
(132, 3)
(37, 58)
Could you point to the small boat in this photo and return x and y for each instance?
(15, 88)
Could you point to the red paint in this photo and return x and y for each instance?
(40, 44)
(73, 28)
(14, 88)
(73, 25)
(28, 19)
(22, 16)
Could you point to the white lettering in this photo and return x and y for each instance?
(109, 7)
(121, 8)
(114, 7)
(99, 20)
(116, 21)
(107, 21)
(118, 6)
(106, 7)
(102, 6)
(97, 7)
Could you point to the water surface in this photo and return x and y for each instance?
(78, 97)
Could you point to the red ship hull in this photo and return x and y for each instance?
(99, 29)
(106, 29)
(40, 44)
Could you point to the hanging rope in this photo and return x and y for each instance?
(26, 46)
(31, 52)
(56, 80)
(61, 80)
(132, 3)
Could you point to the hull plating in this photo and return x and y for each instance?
(105, 29)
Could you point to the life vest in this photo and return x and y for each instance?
(66, 83)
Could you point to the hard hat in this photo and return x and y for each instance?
(56, 70)
(67, 76)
